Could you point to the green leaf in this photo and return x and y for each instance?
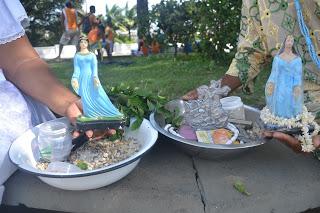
(141, 111)
(151, 106)
(82, 165)
(134, 101)
(240, 187)
(136, 124)
(176, 121)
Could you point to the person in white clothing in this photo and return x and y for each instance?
(27, 86)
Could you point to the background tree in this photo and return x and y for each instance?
(130, 19)
(143, 18)
(218, 27)
(45, 27)
(174, 19)
(114, 16)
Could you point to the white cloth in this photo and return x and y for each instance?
(15, 109)
(15, 119)
(1, 193)
(13, 18)
(18, 113)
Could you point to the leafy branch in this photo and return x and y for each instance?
(140, 103)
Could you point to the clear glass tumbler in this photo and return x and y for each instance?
(54, 141)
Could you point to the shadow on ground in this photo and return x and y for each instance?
(24, 209)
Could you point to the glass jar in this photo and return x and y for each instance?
(54, 141)
(233, 105)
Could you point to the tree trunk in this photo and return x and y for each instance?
(175, 49)
(129, 34)
(143, 18)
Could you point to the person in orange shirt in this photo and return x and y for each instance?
(109, 40)
(145, 49)
(95, 35)
(155, 47)
(69, 23)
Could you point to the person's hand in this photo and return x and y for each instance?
(73, 111)
(290, 141)
(227, 80)
(98, 134)
(192, 95)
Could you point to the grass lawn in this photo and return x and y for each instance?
(163, 74)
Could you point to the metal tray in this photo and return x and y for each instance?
(202, 150)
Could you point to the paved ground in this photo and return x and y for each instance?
(167, 180)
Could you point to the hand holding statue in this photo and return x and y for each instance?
(291, 141)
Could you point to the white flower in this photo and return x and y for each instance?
(303, 121)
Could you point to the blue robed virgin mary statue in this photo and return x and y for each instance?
(85, 82)
(284, 88)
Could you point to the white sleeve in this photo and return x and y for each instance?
(13, 20)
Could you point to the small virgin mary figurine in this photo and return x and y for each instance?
(85, 82)
(284, 88)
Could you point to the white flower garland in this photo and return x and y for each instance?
(303, 121)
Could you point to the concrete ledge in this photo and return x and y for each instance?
(167, 180)
(163, 182)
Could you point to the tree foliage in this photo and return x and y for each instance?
(130, 18)
(124, 19)
(45, 27)
(114, 16)
(174, 19)
(143, 18)
(215, 23)
(218, 24)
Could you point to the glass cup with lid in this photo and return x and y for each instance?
(54, 141)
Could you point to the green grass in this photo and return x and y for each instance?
(163, 74)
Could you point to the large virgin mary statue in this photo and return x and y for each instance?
(85, 82)
(284, 88)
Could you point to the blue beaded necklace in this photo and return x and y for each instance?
(306, 34)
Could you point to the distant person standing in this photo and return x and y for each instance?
(95, 44)
(143, 47)
(89, 20)
(155, 47)
(109, 40)
(70, 26)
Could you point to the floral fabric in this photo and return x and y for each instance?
(264, 26)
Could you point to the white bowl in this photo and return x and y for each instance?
(24, 154)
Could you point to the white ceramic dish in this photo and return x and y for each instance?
(24, 154)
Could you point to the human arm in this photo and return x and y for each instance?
(77, 18)
(81, 21)
(22, 66)
(62, 19)
(290, 141)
